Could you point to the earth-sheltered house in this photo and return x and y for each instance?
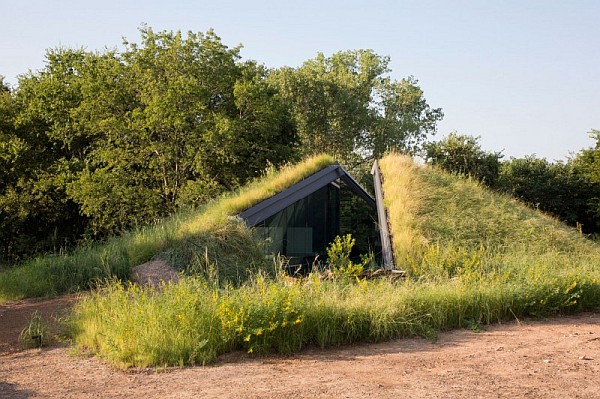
(300, 221)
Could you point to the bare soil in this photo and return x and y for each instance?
(555, 358)
(153, 273)
(15, 316)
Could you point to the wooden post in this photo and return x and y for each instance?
(384, 232)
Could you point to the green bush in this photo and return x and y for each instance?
(339, 262)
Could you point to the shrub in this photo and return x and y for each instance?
(338, 258)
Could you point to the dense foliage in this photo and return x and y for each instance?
(557, 188)
(462, 154)
(346, 105)
(99, 142)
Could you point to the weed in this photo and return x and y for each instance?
(35, 334)
(338, 258)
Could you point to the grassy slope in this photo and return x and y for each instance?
(429, 208)
(472, 238)
(253, 193)
(208, 231)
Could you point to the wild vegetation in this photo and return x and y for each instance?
(568, 190)
(35, 334)
(109, 159)
(473, 257)
(194, 241)
(451, 211)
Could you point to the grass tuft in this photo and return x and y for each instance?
(35, 335)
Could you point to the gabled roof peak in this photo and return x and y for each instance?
(302, 189)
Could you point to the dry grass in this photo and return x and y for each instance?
(267, 186)
(403, 199)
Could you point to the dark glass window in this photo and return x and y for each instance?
(304, 229)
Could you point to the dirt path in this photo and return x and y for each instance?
(556, 358)
(15, 316)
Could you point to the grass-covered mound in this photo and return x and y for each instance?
(208, 240)
(473, 257)
(437, 220)
(453, 232)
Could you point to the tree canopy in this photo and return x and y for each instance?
(463, 154)
(98, 142)
(347, 105)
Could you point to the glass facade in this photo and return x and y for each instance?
(359, 219)
(302, 231)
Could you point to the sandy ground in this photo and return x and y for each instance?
(555, 358)
(15, 316)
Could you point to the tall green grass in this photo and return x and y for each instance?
(403, 194)
(88, 264)
(193, 322)
(449, 215)
(205, 241)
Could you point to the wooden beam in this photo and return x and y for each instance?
(384, 232)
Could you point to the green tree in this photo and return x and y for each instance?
(463, 154)
(556, 188)
(105, 141)
(35, 213)
(180, 120)
(405, 120)
(345, 105)
(587, 161)
(11, 146)
(263, 124)
(587, 164)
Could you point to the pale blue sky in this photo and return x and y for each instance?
(523, 75)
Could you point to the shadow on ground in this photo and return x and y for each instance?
(11, 391)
